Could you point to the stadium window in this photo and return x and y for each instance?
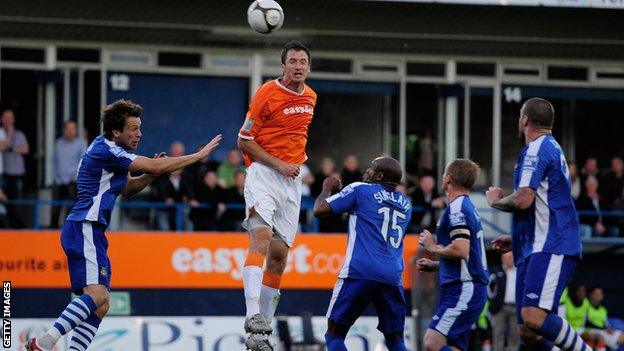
(176, 59)
(610, 75)
(22, 54)
(78, 55)
(567, 73)
(331, 65)
(426, 69)
(533, 72)
(476, 69)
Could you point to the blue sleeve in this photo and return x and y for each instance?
(344, 201)
(534, 169)
(459, 227)
(117, 158)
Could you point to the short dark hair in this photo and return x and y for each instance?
(463, 173)
(114, 116)
(297, 46)
(540, 112)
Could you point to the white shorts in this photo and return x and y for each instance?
(275, 198)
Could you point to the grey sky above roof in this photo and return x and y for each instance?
(344, 25)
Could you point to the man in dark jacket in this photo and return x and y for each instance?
(502, 305)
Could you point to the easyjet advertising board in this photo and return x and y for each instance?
(175, 260)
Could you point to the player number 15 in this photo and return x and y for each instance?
(395, 226)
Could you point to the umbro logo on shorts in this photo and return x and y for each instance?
(532, 296)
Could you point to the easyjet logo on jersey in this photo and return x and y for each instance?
(299, 109)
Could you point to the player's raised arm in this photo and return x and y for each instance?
(162, 165)
(321, 206)
(520, 199)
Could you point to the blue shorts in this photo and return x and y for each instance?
(460, 305)
(352, 296)
(540, 280)
(85, 246)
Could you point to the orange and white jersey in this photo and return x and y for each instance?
(278, 120)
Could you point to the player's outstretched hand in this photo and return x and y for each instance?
(288, 170)
(427, 240)
(493, 194)
(160, 155)
(209, 148)
(332, 184)
(502, 243)
(427, 265)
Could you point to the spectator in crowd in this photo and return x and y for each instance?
(427, 202)
(4, 143)
(590, 169)
(227, 170)
(68, 151)
(590, 203)
(208, 192)
(618, 206)
(350, 171)
(612, 182)
(232, 218)
(502, 307)
(425, 161)
(14, 163)
(574, 180)
(598, 320)
(4, 221)
(327, 169)
(170, 189)
(195, 173)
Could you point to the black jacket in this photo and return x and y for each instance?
(496, 290)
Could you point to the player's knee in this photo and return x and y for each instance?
(102, 310)
(527, 335)
(98, 293)
(533, 317)
(432, 342)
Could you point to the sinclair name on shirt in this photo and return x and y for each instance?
(299, 109)
(383, 195)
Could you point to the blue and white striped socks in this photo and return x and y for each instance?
(84, 334)
(74, 314)
(561, 333)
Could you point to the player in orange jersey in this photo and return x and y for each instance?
(273, 140)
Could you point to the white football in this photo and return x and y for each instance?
(265, 16)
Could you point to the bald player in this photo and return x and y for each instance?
(372, 271)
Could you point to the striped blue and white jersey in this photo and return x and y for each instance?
(102, 176)
(461, 220)
(551, 224)
(378, 219)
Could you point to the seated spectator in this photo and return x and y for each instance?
(209, 193)
(598, 320)
(618, 206)
(328, 168)
(168, 189)
(574, 180)
(350, 172)
(611, 186)
(232, 219)
(195, 172)
(591, 222)
(426, 197)
(227, 170)
(590, 168)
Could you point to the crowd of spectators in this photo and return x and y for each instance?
(599, 197)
